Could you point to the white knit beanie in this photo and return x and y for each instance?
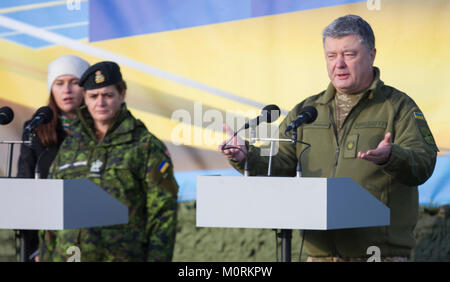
(65, 65)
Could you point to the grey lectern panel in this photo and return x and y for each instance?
(350, 205)
(87, 205)
(50, 204)
(31, 204)
(286, 203)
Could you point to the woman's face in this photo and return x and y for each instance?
(67, 94)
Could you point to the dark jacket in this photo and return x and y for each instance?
(29, 155)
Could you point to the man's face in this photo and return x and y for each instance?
(349, 63)
(103, 103)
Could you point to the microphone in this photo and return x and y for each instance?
(307, 115)
(42, 116)
(6, 115)
(265, 116)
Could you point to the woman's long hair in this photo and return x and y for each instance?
(47, 133)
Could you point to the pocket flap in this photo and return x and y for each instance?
(371, 124)
(318, 125)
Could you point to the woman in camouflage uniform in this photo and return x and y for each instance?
(115, 151)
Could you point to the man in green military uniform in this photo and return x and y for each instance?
(365, 130)
(114, 150)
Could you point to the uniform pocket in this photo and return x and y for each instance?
(371, 133)
(317, 125)
(371, 124)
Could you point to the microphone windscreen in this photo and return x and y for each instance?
(310, 112)
(271, 112)
(7, 114)
(45, 113)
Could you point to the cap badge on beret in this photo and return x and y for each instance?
(100, 75)
(99, 78)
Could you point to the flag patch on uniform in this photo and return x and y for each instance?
(418, 115)
(163, 166)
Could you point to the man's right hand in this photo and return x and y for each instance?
(233, 153)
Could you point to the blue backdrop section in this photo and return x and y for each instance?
(58, 19)
(434, 192)
(136, 17)
(15, 3)
(272, 7)
(117, 18)
(187, 180)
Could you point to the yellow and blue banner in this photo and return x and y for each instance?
(228, 55)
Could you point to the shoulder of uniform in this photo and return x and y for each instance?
(397, 98)
(153, 144)
(157, 145)
(310, 101)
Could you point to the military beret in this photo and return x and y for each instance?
(100, 75)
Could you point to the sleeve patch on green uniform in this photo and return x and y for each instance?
(423, 129)
(418, 115)
(426, 133)
(163, 166)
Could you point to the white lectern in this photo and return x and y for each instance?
(55, 204)
(286, 203)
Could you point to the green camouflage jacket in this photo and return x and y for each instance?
(134, 167)
(382, 109)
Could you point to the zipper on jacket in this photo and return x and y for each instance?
(338, 149)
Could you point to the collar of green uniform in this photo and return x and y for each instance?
(117, 132)
(373, 89)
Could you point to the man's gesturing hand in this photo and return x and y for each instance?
(381, 154)
(235, 149)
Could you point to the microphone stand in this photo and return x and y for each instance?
(299, 174)
(251, 142)
(9, 172)
(285, 234)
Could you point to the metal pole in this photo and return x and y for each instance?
(22, 246)
(286, 245)
(269, 170)
(10, 158)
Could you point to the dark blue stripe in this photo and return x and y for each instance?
(273, 7)
(161, 165)
(110, 19)
(117, 18)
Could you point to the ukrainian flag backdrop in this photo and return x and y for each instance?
(231, 55)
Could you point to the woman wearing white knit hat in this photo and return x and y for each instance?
(65, 97)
